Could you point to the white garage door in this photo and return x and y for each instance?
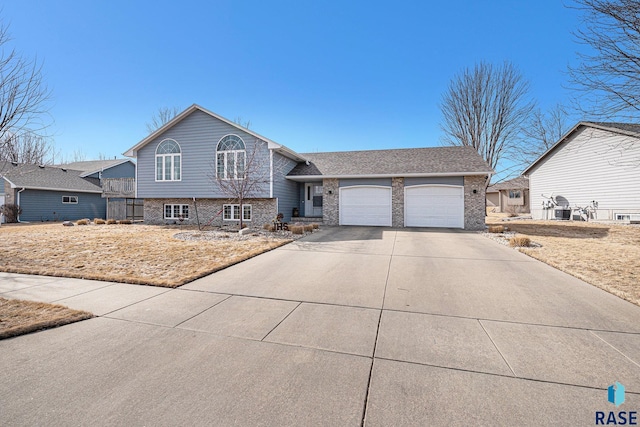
(434, 206)
(365, 205)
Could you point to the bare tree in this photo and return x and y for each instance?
(243, 174)
(23, 95)
(242, 122)
(485, 108)
(608, 77)
(28, 147)
(539, 133)
(162, 117)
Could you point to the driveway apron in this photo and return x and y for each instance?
(348, 326)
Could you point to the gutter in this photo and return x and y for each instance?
(18, 202)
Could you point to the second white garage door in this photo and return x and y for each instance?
(365, 205)
(434, 206)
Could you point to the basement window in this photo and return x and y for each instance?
(232, 212)
(176, 211)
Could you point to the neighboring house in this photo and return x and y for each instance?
(48, 193)
(177, 167)
(117, 179)
(510, 196)
(593, 162)
(103, 169)
(63, 192)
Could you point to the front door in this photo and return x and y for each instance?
(313, 200)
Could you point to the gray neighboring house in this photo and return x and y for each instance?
(594, 161)
(117, 179)
(417, 187)
(103, 169)
(64, 192)
(510, 196)
(48, 193)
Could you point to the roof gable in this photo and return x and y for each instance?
(132, 152)
(628, 129)
(395, 162)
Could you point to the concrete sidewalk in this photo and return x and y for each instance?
(347, 326)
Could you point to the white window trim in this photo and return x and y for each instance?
(70, 202)
(226, 153)
(181, 206)
(234, 211)
(172, 155)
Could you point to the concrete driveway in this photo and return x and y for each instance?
(348, 326)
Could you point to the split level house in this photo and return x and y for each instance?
(595, 165)
(63, 192)
(183, 168)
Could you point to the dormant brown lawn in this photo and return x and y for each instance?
(140, 254)
(19, 317)
(604, 255)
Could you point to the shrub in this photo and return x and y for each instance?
(496, 229)
(82, 222)
(519, 242)
(308, 227)
(125, 221)
(10, 212)
(111, 221)
(296, 229)
(269, 227)
(315, 225)
(98, 221)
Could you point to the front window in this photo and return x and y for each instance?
(176, 211)
(230, 158)
(168, 161)
(515, 194)
(232, 212)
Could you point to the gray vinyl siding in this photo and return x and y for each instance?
(385, 182)
(124, 170)
(286, 191)
(435, 180)
(198, 135)
(592, 164)
(41, 205)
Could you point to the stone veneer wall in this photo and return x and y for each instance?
(474, 204)
(9, 193)
(397, 202)
(263, 211)
(330, 205)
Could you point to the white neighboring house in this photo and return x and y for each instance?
(594, 161)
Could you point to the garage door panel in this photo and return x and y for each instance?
(365, 206)
(434, 206)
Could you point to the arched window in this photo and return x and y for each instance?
(230, 157)
(168, 161)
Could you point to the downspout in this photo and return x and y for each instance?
(271, 174)
(18, 202)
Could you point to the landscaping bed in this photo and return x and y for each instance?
(604, 255)
(140, 254)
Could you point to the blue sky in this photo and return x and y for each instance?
(312, 75)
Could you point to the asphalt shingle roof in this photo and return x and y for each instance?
(90, 166)
(519, 183)
(48, 177)
(398, 162)
(627, 127)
